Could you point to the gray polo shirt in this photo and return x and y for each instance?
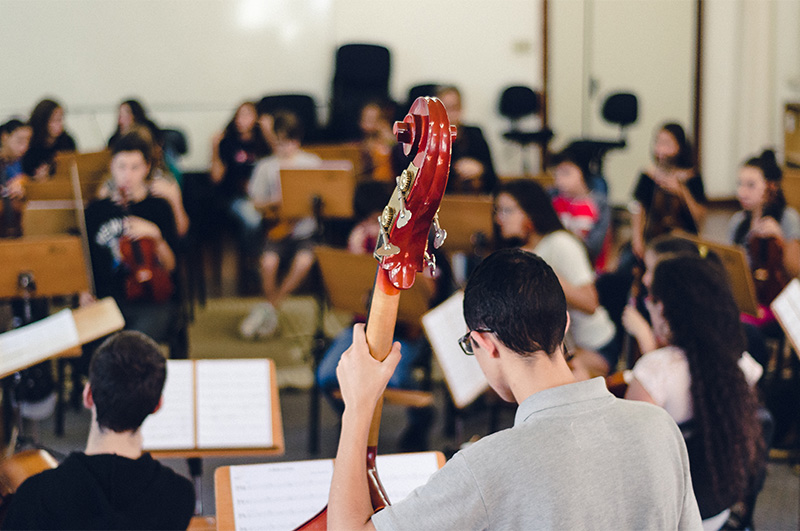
(576, 458)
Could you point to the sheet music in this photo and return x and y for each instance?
(172, 426)
(786, 307)
(281, 496)
(234, 408)
(37, 341)
(402, 473)
(444, 325)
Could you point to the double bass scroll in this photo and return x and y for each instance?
(402, 249)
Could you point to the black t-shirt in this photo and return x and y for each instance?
(645, 190)
(103, 492)
(104, 226)
(239, 157)
(470, 143)
(41, 154)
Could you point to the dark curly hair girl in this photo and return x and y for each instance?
(703, 320)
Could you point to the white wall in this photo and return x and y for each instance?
(192, 61)
(752, 69)
(644, 47)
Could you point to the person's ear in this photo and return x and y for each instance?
(160, 403)
(485, 342)
(566, 328)
(88, 399)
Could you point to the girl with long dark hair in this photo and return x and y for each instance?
(48, 139)
(700, 376)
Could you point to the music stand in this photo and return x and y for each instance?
(349, 151)
(43, 266)
(463, 217)
(734, 260)
(348, 281)
(92, 170)
(332, 185)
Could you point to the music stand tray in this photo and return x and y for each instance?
(333, 183)
(349, 278)
(734, 260)
(463, 216)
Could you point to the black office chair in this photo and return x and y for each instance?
(518, 102)
(303, 105)
(417, 91)
(621, 108)
(361, 74)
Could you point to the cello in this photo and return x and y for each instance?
(402, 248)
(766, 264)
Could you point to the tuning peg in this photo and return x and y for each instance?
(430, 263)
(385, 247)
(404, 216)
(439, 234)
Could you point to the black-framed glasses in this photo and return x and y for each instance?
(466, 343)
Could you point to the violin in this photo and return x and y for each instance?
(14, 470)
(665, 212)
(402, 249)
(766, 264)
(146, 279)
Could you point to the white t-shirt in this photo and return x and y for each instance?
(265, 184)
(567, 256)
(664, 374)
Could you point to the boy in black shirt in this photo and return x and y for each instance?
(113, 484)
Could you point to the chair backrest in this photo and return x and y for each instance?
(361, 74)
(363, 65)
(417, 91)
(519, 101)
(303, 105)
(621, 108)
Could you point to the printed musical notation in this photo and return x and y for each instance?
(213, 404)
(172, 426)
(444, 325)
(37, 341)
(786, 308)
(280, 496)
(233, 404)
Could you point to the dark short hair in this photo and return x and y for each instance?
(517, 295)
(287, 123)
(573, 155)
(12, 125)
(126, 375)
(133, 141)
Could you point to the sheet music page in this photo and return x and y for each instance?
(234, 407)
(402, 473)
(37, 341)
(172, 426)
(787, 307)
(279, 496)
(444, 325)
